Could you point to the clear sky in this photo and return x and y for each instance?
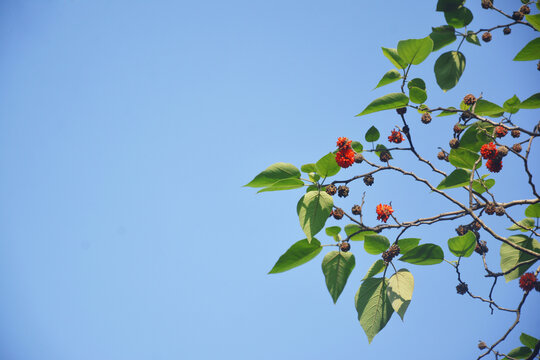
(127, 129)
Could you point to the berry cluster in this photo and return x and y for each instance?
(500, 131)
(488, 151)
(345, 155)
(384, 212)
(527, 281)
(493, 156)
(396, 137)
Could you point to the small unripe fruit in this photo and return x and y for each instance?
(454, 143)
(401, 111)
(469, 99)
(507, 30)
(462, 288)
(358, 158)
(331, 190)
(481, 247)
(516, 147)
(486, 4)
(368, 180)
(343, 191)
(441, 155)
(338, 213)
(345, 246)
(516, 15)
(426, 118)
(461, 230)
(499, 210)
(525, 9)
(490, 209)
(515, 133)
(356, 210)
(486, 37)
(457, 129)
(502, 151)
(385, 156)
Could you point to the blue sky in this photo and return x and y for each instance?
(127, 129)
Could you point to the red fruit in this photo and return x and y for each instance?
(344, 143)
(384, 212)
(500, 131)
(488, 151)
(494, 165)
(395, 137)
(345, 157)
(527, 281)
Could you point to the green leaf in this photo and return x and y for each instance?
(486, 108)
(442, 36)
(533, 210)
(351, 229)
(327, 166)
(399, 291)
(407, 244)
(379, 147)
(357, 146)
(417, 82)
(458, 18)
(414, 51)
(274, 173)
(417, 95)
(389, 77)
(527, 223)
(426, 254)
(373, 307)
(512, 105)
(462, 246)
(313, 210)
(376, 268)
(510, 257)
(479, 188)
(332, 230)
(285, 184)
(518, 353)
(337, 266)
(528, 340)
(376, 244)
(534, 20)
(314, 188)
(386, 102)
(307, 168)
(531, 51)
(533, 102)
(476, 136)
(449, 5)
(314, 177)
(394, 58)
(372, 134)
(298, 254)
(458, 178)
(448, 69)
(446, 113)
(472, 38)
(463, 158)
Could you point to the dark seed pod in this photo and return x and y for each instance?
(343, 191)
(525, 9)
(481, 247)
(401, 111)
(462, 230)
(507, 30)
(516, 15)
(368, 180)
(462, 288)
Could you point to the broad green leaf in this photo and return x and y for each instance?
(417, 95)
(313, 210)
(512, 105)
(472, 38)
(332, 230)
(531, 51)
(533, 210)
(533, 102)
(449, 5)
(300, 253)
(426, 254)
(314, 177)
(314, 188)
(463, 158)
(394, 58)
(285, 184)
(307, 168)
(534, 20)
(521, 352)
(373, 307)
(379, 148)
(486, 108)
(442, 36)
(414, 51)
(510, 257)
(462, 246)
(479, 188)
(357, 146)
(448, 69)
(376, 268)
(458, 18)
(372, 134)
(476, 136)
(386, 102)
(376, 244)
(399, 291)
(389, 77)
(458, 178)
(352, 228)
(527, 223)
(274, 173)
(528, 340)
(337, 266)
(407, 244)
(327, 166)
(417, 82)
(446, 113)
